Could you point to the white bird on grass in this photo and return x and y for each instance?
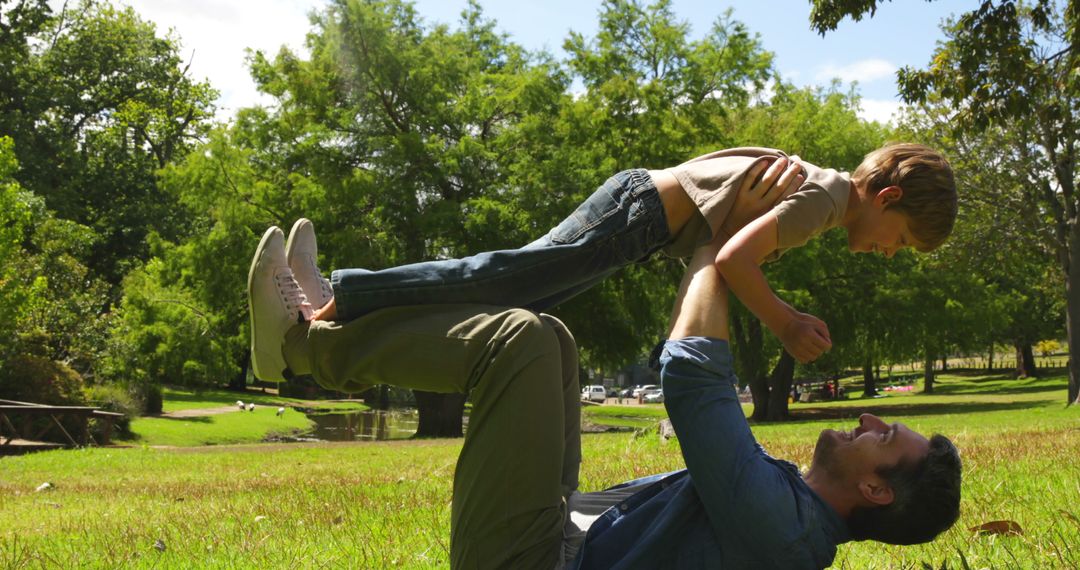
(280, 412)
(251, 407)
(240, 405)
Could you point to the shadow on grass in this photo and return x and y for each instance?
(927, 409)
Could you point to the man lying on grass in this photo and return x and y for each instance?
(515, 503)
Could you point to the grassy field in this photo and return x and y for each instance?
(387, 504)
(225, 428)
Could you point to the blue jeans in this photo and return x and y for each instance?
(621, 223)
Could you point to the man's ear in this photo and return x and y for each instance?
(888, 195)
(876, 492)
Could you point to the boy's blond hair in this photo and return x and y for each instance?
(929, 198)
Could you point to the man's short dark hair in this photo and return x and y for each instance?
(926, 499)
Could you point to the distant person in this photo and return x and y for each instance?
(515, 500)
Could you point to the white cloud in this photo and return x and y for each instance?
(881, 110)
(863, 71)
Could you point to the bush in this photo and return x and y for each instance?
(153, 402)
(113, 398)
(28, 378)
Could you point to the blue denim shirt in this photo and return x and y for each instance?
(734, 506)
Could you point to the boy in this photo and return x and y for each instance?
(900, 196)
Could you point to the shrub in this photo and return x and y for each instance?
(113, 398)
(29, 378)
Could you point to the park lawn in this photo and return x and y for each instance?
(233, 427)
(386, 504)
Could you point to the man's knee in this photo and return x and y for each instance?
(566, 340)
(526, 330)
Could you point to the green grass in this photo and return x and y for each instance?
(227, 428)
(386, 504)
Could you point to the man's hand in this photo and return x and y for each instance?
(805, 337)
(758, 192)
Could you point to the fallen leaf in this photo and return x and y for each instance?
(159, 545)
(1006, 528)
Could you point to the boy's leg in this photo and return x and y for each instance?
(621, 223)
(509, 482)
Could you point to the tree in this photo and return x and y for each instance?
(1012, 66)
(54, 328)
(102, 103)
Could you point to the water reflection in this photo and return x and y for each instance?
(366, 425)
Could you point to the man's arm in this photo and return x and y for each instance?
(739, 261)
(741, 491)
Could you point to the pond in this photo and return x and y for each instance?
(365, 425)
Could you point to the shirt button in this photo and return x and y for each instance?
(623, 507)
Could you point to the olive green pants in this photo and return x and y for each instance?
(522, 448)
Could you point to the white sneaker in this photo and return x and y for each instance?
(303, 254)
(275, 303)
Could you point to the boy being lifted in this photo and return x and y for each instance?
(902, 195)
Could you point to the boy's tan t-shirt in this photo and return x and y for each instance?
(713, 180)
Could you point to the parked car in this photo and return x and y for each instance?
(594, 393)
(637, 391)
(654, 396)
(626, 393)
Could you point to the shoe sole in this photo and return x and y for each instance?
(289, 252)
(260, 374)
(289, 241)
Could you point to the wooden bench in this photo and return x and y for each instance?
(83, 413)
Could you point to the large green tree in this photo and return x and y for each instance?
(97, 102)
(1012, 66)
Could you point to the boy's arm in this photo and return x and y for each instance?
(739, 261)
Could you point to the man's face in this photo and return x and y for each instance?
(855, 456)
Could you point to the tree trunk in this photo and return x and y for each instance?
(869, 385)
(1025, 361)
(1072, 312)
(944, 363)
(990, 360)
(750, 361)
(440, 414)
(779, 387)
(239, 381)
(928, 373)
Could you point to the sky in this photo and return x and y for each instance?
(214, 35)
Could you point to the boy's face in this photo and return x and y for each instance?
(878, 230)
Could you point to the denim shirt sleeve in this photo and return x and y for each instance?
(743, 493)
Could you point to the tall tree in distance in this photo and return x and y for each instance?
(1012, 66)
(654, 97)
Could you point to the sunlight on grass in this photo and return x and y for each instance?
(387, 504)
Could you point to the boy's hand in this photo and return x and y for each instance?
(762, 189)
(805, 337)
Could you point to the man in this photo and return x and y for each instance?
(515, 482)
(736, 507)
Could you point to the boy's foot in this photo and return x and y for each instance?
(303, 253)
(275, 304)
